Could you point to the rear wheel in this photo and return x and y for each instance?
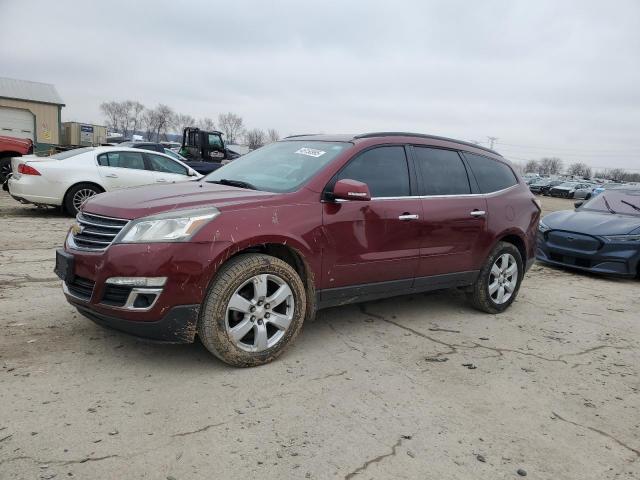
(77, 195)
(254, 309)
(499, 280)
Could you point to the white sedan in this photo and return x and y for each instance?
(67, 179)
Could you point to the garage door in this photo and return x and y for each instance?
(15, 122)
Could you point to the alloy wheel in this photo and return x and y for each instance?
(259, 312)
(82, 196)
(503, 278)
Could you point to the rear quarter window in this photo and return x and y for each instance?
(490, 174)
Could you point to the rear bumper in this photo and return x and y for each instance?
(177, 326)
(22, 193)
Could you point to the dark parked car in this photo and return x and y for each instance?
(602, 235)
(244, 256)
(568, 189)
(542, 186)
(199, 166)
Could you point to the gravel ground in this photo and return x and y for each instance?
(420, 386)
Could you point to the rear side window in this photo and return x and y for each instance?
(383, 169)
(132, 160)
(442, 172)
(491, 175)
(165, 165)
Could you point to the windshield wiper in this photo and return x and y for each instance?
(635, 207)
(606, 204)
(234, 183)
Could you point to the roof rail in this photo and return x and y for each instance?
(422, 135)
(302, 135)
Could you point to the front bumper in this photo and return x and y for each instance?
(616, 259)
(172, 316)
(177, 326)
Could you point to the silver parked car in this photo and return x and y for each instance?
(585, 193)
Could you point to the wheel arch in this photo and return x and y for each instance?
(289, 250)
(517, 240)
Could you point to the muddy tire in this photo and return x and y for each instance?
(499, 280)
(254, 309)
(77, 195)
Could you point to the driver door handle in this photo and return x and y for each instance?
(478, 213)
(408, 216)
(161, 180)
(111, 175)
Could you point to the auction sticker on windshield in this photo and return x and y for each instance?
(311, 152)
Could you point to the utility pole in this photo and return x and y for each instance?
(491, 140)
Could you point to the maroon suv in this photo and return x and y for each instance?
(245, 255)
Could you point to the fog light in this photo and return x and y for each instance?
(138, 281)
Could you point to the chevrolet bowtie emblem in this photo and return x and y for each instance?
(76, 229)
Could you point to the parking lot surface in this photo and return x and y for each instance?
(420, 386)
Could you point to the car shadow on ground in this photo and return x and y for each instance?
(189, 356)
(31, 211)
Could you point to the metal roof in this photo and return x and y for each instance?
(29, 91)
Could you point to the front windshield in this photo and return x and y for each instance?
(542, 183)
(626, 202)
(568, 184)
(280, 166)
(173, 154)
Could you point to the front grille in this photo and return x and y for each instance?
(97, 232)
(570, 260)
(577, 242)
(81, 288)
(116, 295)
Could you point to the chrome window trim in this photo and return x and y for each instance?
(445, 196)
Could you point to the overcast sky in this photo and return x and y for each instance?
(546, 77)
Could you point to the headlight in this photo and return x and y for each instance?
(543, 227)
(622, 238)
(174, 226)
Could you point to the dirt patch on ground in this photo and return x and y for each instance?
(413, 387)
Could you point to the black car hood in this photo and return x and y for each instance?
(592, 223)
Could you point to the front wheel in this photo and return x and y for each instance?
(254, 309)
(499, 279)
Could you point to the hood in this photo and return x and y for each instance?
(151, 199)
(592, 223)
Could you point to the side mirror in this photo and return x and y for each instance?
(578, 204)
(347, 189)
(192, 173)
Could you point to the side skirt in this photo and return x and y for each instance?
(331, 297)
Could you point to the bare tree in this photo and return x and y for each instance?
(123, 117)
(164, 117)
(180, 121)
(231, 125)
(272, 135)
(111, 112)
(550, 166)
(206, 124)
(136, 109)
(532, 166)
(254, 138)
(150, 122)
(616, 174)
(579, 169)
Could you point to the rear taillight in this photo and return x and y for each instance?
(25, 169)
